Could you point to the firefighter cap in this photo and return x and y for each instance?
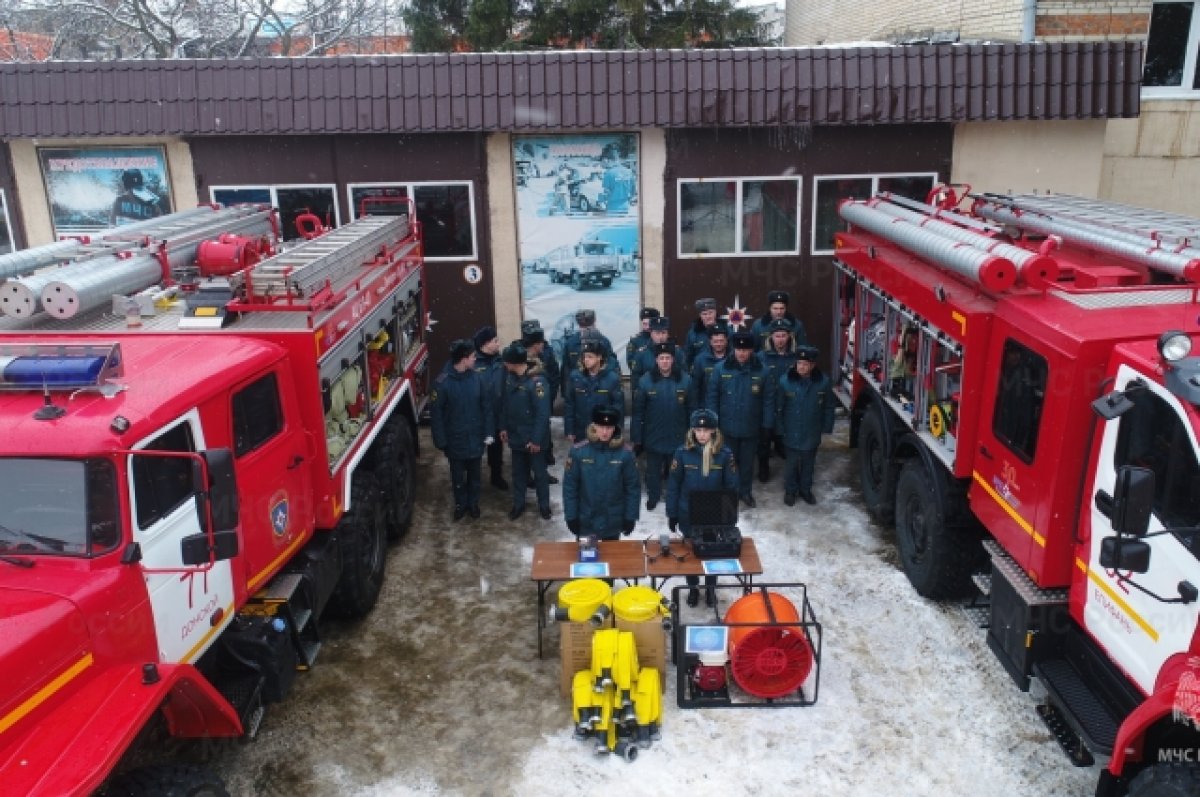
(529, 325)
(592, 347)
(663, 348)
(660, 323)
(515, 354)
(648, 312)
(605, 416)
(532, 336)
(705, 304)
(585, 318)
(778, 324)
(744, 340)
(718, 328)
(461, 349)
(778, 296)
(807, 353)
(703, 419)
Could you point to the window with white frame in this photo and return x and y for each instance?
(292, 201)
(830, 190)
(744, 216)
(446, 212)
(1171, 48)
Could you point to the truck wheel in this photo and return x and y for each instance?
(576, 280)
(584, 204)
(166, 781)
(877, 473)
(1166, 780)
(395, 475)
(362, 537)
(606, 283)
(936, 557)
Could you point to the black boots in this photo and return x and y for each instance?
(693, 596)
(710, 596)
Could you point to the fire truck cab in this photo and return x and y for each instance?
(193, 473)
(1022, 376)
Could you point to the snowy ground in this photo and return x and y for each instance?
(440, 691)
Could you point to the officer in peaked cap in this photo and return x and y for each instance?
(777, 307)
(524, 424)
(703, 462)
(463, 422)
(639, 342)
(490, 368)
(589, 386)
(778, 354)
(585, 319)
(697, 336)
(662, 401)
(740, 393)
(601, 489)
(804, 406)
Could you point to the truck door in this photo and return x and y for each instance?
(1139, 631)
(190, 606)
(1004, 482)
(272, 458)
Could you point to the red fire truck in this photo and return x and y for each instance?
(1021, 375)
(207, 444)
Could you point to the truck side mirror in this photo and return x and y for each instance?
(1124, 554)
(1133, 500)
(222, 488)
(193, 549)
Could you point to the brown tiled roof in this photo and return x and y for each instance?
(572, 90)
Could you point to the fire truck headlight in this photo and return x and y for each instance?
(1174, 345)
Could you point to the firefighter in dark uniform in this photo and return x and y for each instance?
(136, 202)
(778, 354)
(525, 427)
(660, 333)
(590, 385)
(662, 406)
(639, 343)
(573, 341)
(703, 462)
(489, 367)
(463, 421)
(533, 338)
(697, 336)
(709, 359)
(738, 394)
(777, 304)
(601, 491)
(803, 412)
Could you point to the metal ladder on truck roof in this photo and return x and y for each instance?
(327, 263)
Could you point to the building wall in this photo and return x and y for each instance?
(765, 153)
(827, 22)
(33, 206)
(1064, 156)
(1154, 161)
(1090, 20)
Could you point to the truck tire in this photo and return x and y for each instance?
(584, 204)
(936, 556)
(877, 473)
(1166, 780)
(362, 538)
(606, 283)
(577, 280)
(166, 781)
(394, 466)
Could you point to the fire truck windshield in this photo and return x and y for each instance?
(65, 507)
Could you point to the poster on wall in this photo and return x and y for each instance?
(578, 235)
(95, 188)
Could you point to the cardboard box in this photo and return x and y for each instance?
(651, 641)
(575, 650)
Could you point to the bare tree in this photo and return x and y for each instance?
(109, 29)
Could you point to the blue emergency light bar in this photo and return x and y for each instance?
(57, 367)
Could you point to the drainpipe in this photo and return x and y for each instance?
(1028, 20)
